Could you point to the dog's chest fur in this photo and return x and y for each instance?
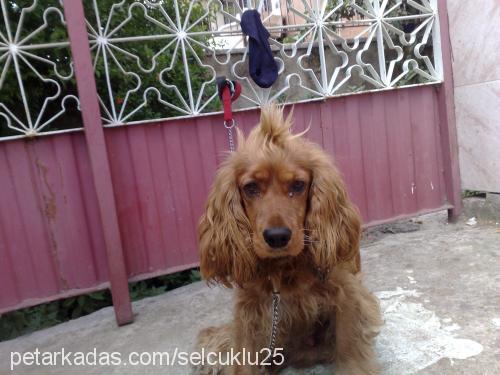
(307, 318)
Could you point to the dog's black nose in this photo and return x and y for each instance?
(277, 237)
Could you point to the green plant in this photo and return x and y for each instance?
(346, 11)
(473, 193)
(37, 90)
(31, 319)
(410, 79)
(146, 51)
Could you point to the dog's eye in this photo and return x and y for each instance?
(297, 187)
(251, 189)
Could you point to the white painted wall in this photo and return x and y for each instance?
(475, 39)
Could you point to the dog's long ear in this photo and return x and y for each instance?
(332, 221)
(224, 233)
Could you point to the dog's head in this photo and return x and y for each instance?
(276, 196)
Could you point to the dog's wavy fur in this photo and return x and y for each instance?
(326, 314)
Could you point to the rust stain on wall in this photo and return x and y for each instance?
(49, 202)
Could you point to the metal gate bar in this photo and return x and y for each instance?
(99, 162)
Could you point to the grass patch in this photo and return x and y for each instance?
(30, 319)
(473, 193)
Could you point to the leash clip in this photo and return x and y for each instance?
(234, 88)
(229, 124)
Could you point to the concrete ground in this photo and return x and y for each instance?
(436, 283)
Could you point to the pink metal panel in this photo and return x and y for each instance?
(376, 167)
(176, 163)
(348, 146)
(401, 153)
(75, 268)
(147, 215)
(17, 252)
(427, 179)
(91, 211)
(50, 243)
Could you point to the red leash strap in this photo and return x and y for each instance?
(226, 102)
(228, 91)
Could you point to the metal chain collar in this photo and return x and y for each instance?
(274, 327)
(275, 321)
(229, 126)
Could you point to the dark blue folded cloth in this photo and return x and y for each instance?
(263, 69)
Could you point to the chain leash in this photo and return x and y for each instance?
(275, 321)
(229, 125)
(275, 316)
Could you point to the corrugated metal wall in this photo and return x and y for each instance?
(387, 145)
(50, 233)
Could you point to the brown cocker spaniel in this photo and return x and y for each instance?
(278, 218)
